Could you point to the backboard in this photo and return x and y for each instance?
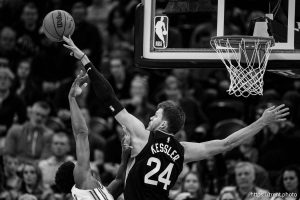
(189, 25)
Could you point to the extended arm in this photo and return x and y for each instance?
(80, 131)
(106, 95)
(199, 151)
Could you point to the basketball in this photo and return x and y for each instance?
(58, 23)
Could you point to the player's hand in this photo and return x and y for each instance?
(79, 83)
(275, 114)
(75, 51)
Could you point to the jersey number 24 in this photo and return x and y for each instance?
(163, 177)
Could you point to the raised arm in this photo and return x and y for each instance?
(117, 185)
(80, 131)
(106, 95)
(200, 151)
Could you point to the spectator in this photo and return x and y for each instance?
(120, 79)
(245, 186)
(8, 37)
(288, 182)
(190, 188)
(235, 156)
(249, 151)
(291, 98)
(97, 14)
(12, 180)
(196, 123)
(4, 62)
(55, 124)
(119, 29)
(277, 144)
(32, 183)
(201, 35)
(91, 45)
(138, 104)
(212, 175)
(60, 148)
(31, 140)
(10, 105)
(24, 86)
(186, 81)
(28, 36)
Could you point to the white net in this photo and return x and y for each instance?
(246, 60)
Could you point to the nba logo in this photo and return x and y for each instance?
(161, 25)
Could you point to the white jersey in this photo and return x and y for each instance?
(99, 193)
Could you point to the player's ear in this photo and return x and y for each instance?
(164, 125)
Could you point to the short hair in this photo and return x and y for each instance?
(64, 178)
(173, 114)
(43, 104)
(61, 134)
(6, 71)
(8, 28)
(30, 5)
(79, 4)
(226, 192)
(245, 164)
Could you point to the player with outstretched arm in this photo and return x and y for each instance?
(157, 156)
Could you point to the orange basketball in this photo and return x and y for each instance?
(58, 23)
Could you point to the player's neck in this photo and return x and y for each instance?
(164, 131)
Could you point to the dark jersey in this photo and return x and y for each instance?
(155, 169)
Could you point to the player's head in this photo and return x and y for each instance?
(168, 117)
(64, 178)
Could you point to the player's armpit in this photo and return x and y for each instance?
(81, 175)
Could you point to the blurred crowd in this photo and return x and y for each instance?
(35, 130)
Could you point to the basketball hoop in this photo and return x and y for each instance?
(245, 58)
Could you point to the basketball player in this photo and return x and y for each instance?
(78, 178)
(160, 30)
(157, 156)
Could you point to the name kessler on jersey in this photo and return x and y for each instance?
(164, 148)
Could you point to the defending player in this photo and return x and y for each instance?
(158, 156)
(77, 178)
